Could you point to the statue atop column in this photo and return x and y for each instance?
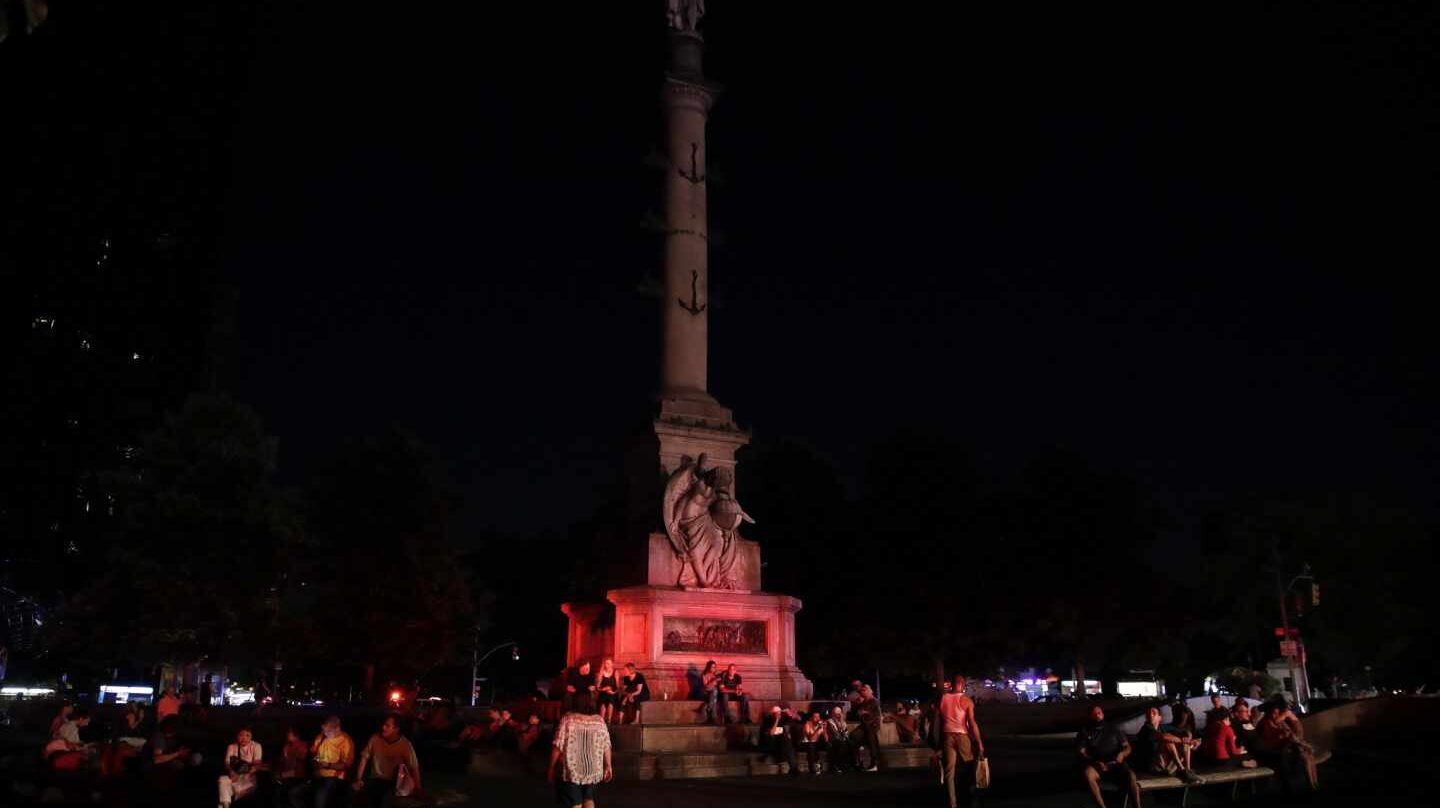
(702, 520)
(684, 15)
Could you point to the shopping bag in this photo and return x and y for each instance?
(982, 773)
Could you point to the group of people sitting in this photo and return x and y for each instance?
(616, 693)
(501, 729)
(1234, 737)
(318, 773)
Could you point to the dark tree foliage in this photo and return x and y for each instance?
(393, 599)
(203, 544)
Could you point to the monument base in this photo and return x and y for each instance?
(670, 633)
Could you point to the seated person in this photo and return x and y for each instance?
(1159, 749)
(388, 766)
(1242, 720)
(67, 751)
(732, 689)
(775, 738)
(1220, 746)
(243, 759)
(633, 692)
(906, 727)
(1102, 749)
(841, 750)
(528, 734)
(1182, 718)
(293, 771)
(812, 740)
(1216, 703)
(166, 758)
(1282, 745)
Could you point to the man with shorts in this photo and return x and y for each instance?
(1102, 749)
(961, 744)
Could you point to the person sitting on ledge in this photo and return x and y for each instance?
(1220, 746)
(731, 688)
(1159, 749)
(710, 688)
(634, 693)
(1282, 744)
(1242, 720)
(906, 728)
(775, 739)
(837, 735)
(1182, 719)
(1102, 749)
(813, 740)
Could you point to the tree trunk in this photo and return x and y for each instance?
(939, 676)
(1079, 676)
(369, 680)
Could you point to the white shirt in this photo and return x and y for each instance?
(583, 741)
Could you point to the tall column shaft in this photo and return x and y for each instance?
(686, 308)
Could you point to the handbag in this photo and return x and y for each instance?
(982, 773)
(404, 783)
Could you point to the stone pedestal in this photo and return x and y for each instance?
(670, 633)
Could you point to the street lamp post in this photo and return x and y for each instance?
(476, 659)
(1283, 591)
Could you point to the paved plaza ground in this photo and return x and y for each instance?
(1345, 781)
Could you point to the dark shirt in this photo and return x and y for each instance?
(1146, 748)
(1102, 742)
(785, 722)
(635, 683)
(870, 711)
(729, 682)
(582, 682)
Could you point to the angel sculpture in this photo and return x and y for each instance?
(684, 15)
(701, 517)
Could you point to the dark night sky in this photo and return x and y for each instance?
(1195, 246)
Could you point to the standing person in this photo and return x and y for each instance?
(870, 714)
(1102, 749)
(166, 705)
(837, 735)
(577, 683)
(607, 689)
(710, 684)
(961, 743)
(391, 753)
(331, 754)
(634, 692)
(242, 759)
(293, 770)
(730, 687)
(813, 739)
(581, 757)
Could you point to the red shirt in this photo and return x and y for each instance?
(1219, 742)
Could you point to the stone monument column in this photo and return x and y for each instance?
(690, 421)
(685, 321)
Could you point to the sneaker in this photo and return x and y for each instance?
(873, 769)
(1189, 776)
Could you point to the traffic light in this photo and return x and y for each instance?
(1314, 594)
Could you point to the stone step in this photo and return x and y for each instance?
(690, 711)
(654, 739)
(631, 765)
